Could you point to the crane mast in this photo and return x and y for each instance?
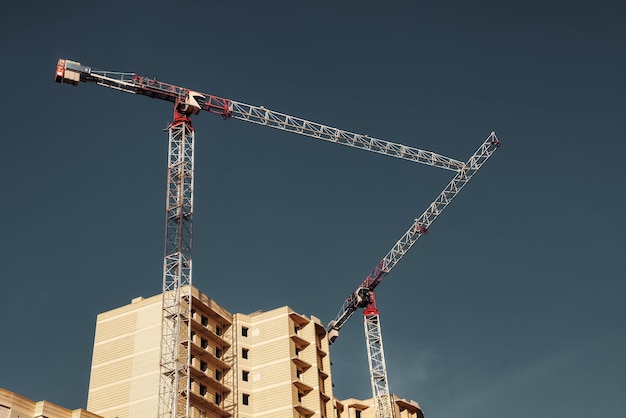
(376, 360)
(175, 382)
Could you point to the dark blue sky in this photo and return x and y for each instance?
(512, 305)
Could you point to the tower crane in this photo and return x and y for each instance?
(363, 296)
(174, 381)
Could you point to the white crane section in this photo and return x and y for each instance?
(419, 227)
(262, 116)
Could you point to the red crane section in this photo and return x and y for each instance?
(187, 102)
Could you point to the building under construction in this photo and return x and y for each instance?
(264, 364)
(13, 405)
(273, 364)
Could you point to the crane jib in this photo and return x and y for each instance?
(419, 227)
(191, 102)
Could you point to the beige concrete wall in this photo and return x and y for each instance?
(124, 379)
(268, 363)
(353, 408)
(13, 405)
(288, 365)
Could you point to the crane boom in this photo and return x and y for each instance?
(361, 297)
(72, 72)
(277, 120)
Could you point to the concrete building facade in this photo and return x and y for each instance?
(356, 408)
(260, 365)
(282, 364)
(124, 379)
(13, 405)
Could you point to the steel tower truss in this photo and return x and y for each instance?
(175, 384)
(376, 359)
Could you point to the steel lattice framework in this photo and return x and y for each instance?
(362, 296)
(136, 84)
(174, 385)
(266, 117)
(378, 368)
